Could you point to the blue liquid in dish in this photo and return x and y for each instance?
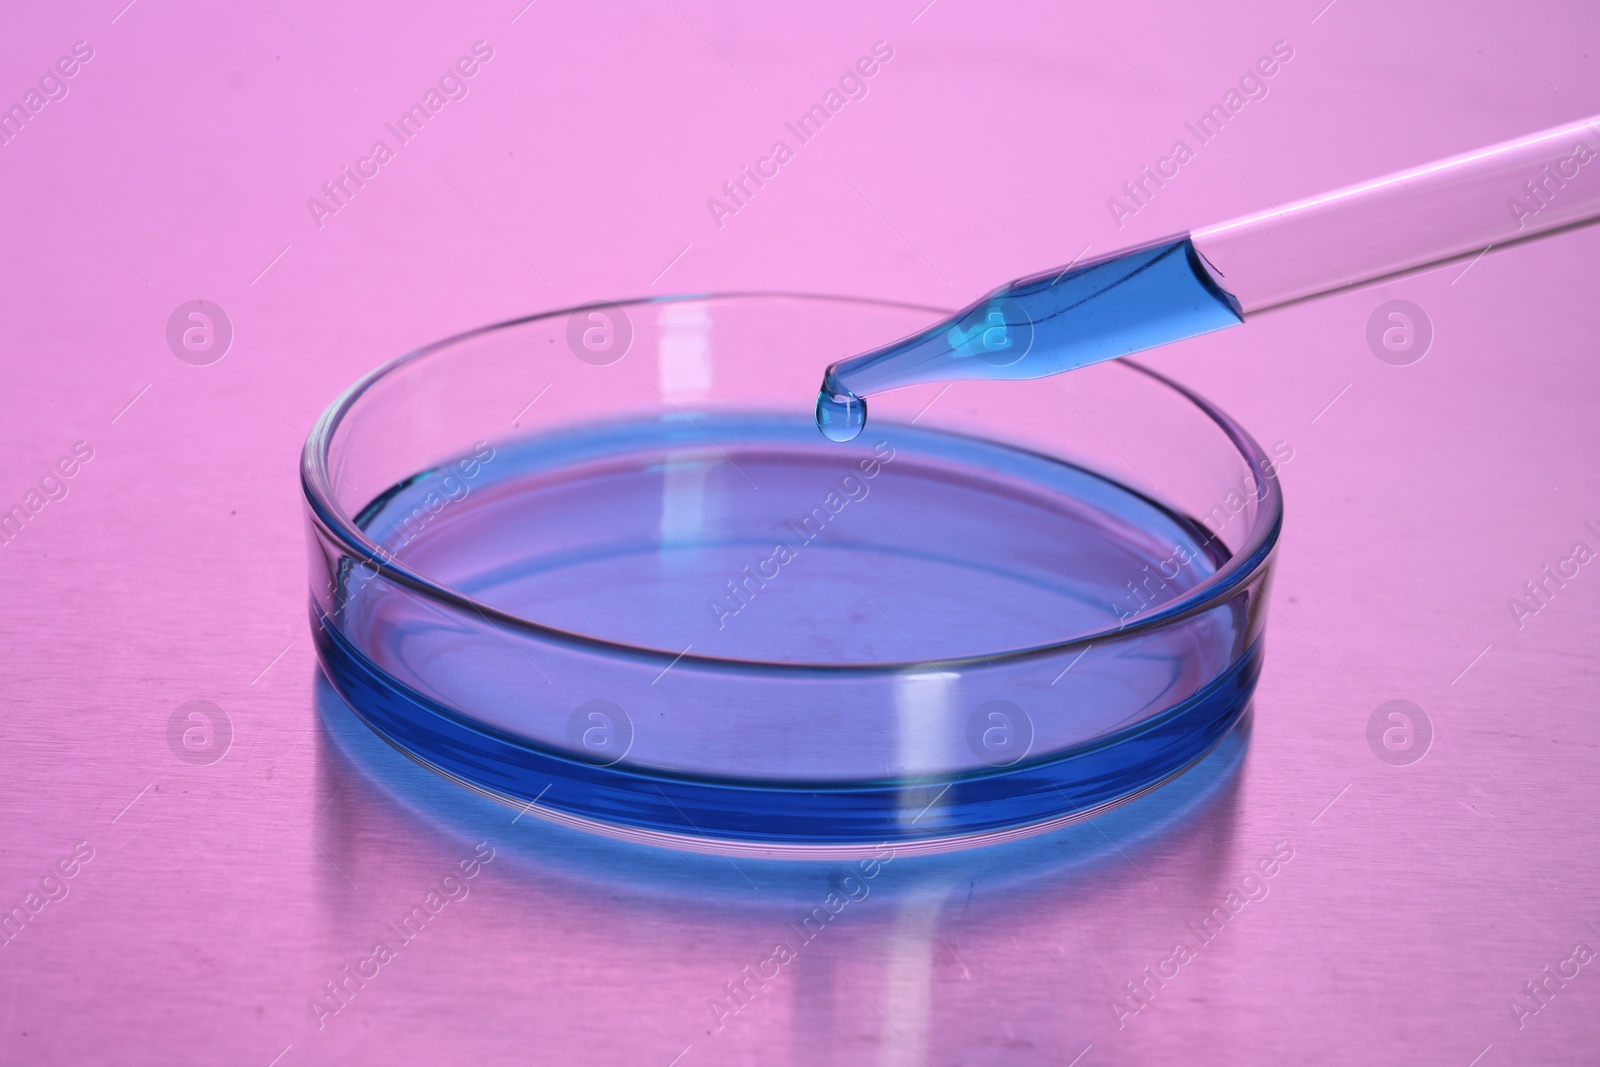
(852, 611)
(1042, 325)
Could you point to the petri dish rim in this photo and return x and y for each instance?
(316, 484)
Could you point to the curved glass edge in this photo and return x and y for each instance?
(774, 818)
(372, 773)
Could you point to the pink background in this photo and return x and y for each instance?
(1419, 899)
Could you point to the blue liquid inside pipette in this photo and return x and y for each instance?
(1042, 325)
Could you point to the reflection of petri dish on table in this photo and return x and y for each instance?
(647, 598)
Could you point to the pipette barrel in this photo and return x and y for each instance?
(1191, 284)
(1453, 209)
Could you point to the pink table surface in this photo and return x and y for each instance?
(221, 898)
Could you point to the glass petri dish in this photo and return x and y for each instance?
(599, 564)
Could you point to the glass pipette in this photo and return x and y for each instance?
(1152, 294)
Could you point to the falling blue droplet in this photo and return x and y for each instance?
(841, 417)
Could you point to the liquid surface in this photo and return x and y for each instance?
(750, 539)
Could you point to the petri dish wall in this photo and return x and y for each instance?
(600, 564)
